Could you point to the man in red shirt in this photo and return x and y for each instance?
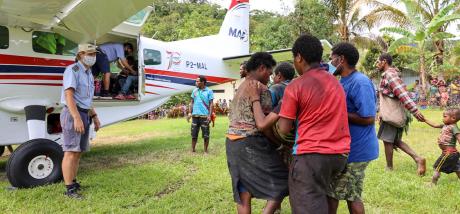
(315, 103)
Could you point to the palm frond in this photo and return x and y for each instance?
(426, 9)
(413, 13)
(442, 36)
(362, 41)
(397, 30)
(398, 43)
(434, 25)
(440, 18)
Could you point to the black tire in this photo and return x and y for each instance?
(2, 150)
(19, 164)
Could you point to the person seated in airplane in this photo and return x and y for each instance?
(128, 79)
(110, 52)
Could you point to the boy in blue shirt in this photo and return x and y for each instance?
(361, 101)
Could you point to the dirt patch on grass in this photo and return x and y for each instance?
(113, 140)
(171, 188)
(109, 162)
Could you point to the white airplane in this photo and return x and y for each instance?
(31, 76)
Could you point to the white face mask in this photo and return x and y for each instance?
(89, 60)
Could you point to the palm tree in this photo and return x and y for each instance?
(351, 22)
(428, 9)
(417, 40)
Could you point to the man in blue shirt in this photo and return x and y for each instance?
(110, 52)
(200, 111)
(361, 101)
(77, 97)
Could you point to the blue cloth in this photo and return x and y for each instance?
(81, 80)
(199, 96)
(361, 99)
(102, 64)
(127, 84)
(113, 51)
(277, 92)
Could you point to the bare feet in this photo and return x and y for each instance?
(421, 166)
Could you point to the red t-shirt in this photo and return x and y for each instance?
(317, 101)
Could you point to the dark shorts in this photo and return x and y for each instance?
(310, 179)
(389, 133)
(102, 64)
(73, 141)
(197, 123)
(447, 163)
(256, 167)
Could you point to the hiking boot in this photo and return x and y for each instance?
(73, 194)
(130, 97)
(120, 97)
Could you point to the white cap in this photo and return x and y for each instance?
(88, 48)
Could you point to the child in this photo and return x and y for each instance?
(448, 162)
(444, 96)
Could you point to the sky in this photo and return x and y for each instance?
(287, 6)
(277, 6)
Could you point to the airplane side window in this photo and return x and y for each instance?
(152, 57)
(4, 37)
(52, 43)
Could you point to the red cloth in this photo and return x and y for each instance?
(317, 100)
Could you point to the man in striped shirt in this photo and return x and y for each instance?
(392, 86)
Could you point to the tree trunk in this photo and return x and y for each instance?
(344, 35)
(439, 57)
(422, 71)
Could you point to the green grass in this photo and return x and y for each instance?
(146, 167)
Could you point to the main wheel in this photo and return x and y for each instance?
(2, 150)
(36, 162)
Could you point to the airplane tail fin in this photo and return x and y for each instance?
(235, 28)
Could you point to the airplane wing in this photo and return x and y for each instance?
(233, 62)
(283, 55)
(77, 20)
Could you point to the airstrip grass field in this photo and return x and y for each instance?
(143, 166)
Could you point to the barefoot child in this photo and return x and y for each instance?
(448, 162)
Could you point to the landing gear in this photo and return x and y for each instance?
(34, 163)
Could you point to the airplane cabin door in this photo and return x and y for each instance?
(150, 59)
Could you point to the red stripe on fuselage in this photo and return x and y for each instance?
(27, 60)
(31, 77)
(148, 92)
(23, 83)
(159, 86)
(236, 2)
(187, 76)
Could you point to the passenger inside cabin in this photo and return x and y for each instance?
(126, 79)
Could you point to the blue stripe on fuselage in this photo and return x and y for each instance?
(177, 80)
(30, 69)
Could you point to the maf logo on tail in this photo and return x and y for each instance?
(243, 35)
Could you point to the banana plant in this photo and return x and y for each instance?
(420, 33)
